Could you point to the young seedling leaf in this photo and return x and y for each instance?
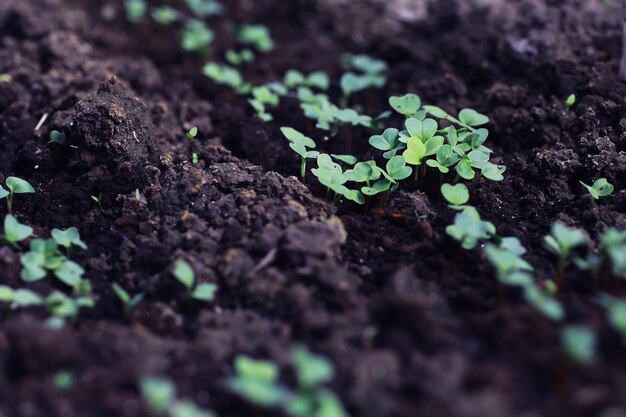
(406, 105)
(470, 117)
(184, 274)
(68, 238)
(204, 292)
(456, 195)
(69, 273)
(14, 231)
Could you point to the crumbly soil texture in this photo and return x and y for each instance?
(414, 326)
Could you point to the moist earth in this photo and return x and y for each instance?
(412, 324)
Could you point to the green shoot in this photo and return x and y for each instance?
(62, 306)
(600, 188)
(197, 37)
(16, 186)
(406, 105)
(238, 58)
(185, 275)
(299, 143)
(160, 396)
(579, 344)
(57, 137)
(257, 36)
(68, 238)
(165, 15)
(129, 302)
(616, 311)
(15, 231)
(569, 102)
(5, 78)
(135, 10)
(98, 201)
(225, 75)
(19, 298)
(204, 8)
(63, 381)
(192, 133)
(561, 242)
(316, 79)
(468, 228)
(457, 195)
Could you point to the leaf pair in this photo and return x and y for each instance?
(185, 275)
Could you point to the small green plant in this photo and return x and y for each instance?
(407, 105)
(197, 37)
(263, 96)
(63, 381)
(238, 58)
(299, 143)
(600, 188)
(98, 201)
(457, 195)
(317, 79)
(68, 238)
(19, 298)
(370, 75)
(226, 75)
(613, 249)
(5, 78)
(579, 343)
(468, 228)
(135, 10)
(63, 306)
(16, 186)
(257, 36)
(258, 382)
(569, 101)
(616, 312)
(388, 141)
(192, 133)
(14, 231)
(330, 174)
(204, 8)
(57, 137)
(561, 242)
(185, 275)
(160, 396)
(129, 302)
(165, 15)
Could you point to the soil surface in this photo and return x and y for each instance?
(412, 325)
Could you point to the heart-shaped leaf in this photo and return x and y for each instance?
(415, 151)
(470, 117)
(19, 186)
(406, 105)
(455, 194)
(385, 142)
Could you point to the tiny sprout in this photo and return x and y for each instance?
(14, 231)
(238, 58)
(256, 35)
(165, 15)
(225, 75)
(158, 393)
(63, 381)
(457, 195)
(569, 102)
(257, 381)
(406, 105)
(197, 37)
(204, 8)
(317, 79)
(61, 305)
(5, 78)
(299, 143)
(192, 133)
(600, 188)
(128, 302)
(472, 118)
(185, 275)
(562, 241)
(16, 186)
(57, 137)
(68, 238)
(468, 228)
(194, 158)
(98, 201)
(579, 343)
(135, 10)
(20, 297)
(616, 311)
(388, 141)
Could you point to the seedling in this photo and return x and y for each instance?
(407, 105)
(258, 382)
(457, 195)
(204, 8)
(388, 141)
(5, 78)
(197, 37)
(257, 36)
(68, 238)
(562, 241)
(160, 396)
(468, 228)
(225, 75)
(239, 58)
(15, 231)
(135, 10)
(299, 143)
(185, 275)
(317, 79)
(16, 186)
(600, 188)
(57, 137)
(579, 343)
(616, 311)
(19, 298)
(330, 174)
(192, 133)
(194, 158)
(44, 256)
(129, 302)
(569, 102)
(98, 201)
(62, 306)
(263, 96)
(613, 248)
(165, 15)
(421, 140)
(63, 381)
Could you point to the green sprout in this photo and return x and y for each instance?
(372, 75)
(616, 311)
(15, 231)
(263, 96)
(63, 306)
(317, 79)
(330, 174)
(238, 58)
(63, 381)
(407, 105)
(160, 397)
(258, 382)
(192, 133)
(457, 195)
(135, 10)
(579, 343)
(57, 137)
(561, 242)
(569, 101)
(421, 140)
(257, 36)
(68, 238)
(98, 201)
(185, 275)
(5, 78)
(197, 37)
(16, 186)
(600, 188)
(19, 298)
(165, 15)
(194, 158)
(129, 302)
(299, 143)
(613, 248)
(204, 8)
(388, 141)
(468, 228)
(225, 75)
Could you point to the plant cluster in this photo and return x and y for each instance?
(160, 396)
(258, 382)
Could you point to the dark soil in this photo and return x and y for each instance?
(411, 323)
